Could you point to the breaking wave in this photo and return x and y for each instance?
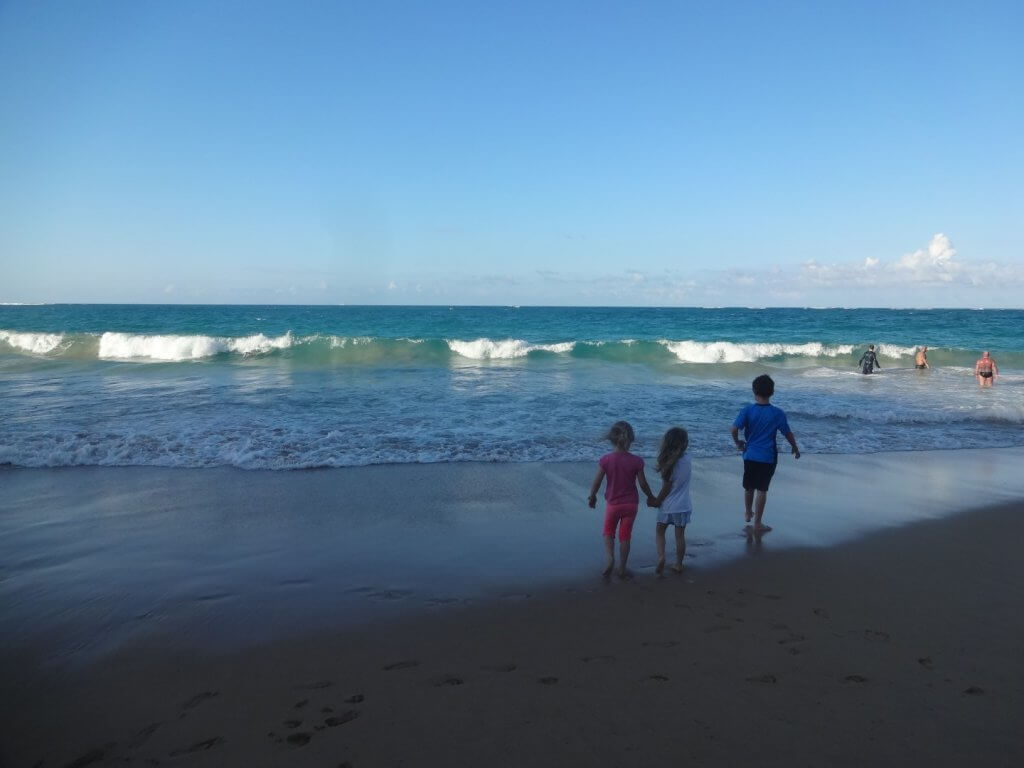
(325, 349)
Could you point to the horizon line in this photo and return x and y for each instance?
(489, 306)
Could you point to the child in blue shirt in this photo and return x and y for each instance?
(760, 421)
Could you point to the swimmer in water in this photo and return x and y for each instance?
(869, 360)
(986, 370)
(921, 360)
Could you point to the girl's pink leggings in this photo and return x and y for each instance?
(622, 515)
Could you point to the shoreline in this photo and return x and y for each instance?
(897, 648)
(98, 557)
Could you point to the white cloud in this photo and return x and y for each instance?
(933, 275)
(934, 263)
(169, 288)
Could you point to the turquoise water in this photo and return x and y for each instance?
(275, 387)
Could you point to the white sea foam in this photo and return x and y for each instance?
(504, 349)
(259, 344)
(123, 346)
(894, 351)
(733, 352)
(36, 343)
(340, 342)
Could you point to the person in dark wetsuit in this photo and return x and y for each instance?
(869, 360)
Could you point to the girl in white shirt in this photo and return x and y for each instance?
(673, 502)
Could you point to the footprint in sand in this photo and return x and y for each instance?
(876, 636)
(792, 637)
(90, 757)
(391, 594)
(293, 724)
(319, 684)
(974, 691)
(301, 704)
(926, 662)
(400, 665)
(659, 678)
(448, 680)
(199, 746)
(345, 717)
(548, 680)
(142, 736)
(300, 739)
(212, 598)
(516, 596)
(199, 698)
(355, 699)
(821, 612)
(855, 679)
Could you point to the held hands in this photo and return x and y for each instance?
(652, 501)
(796, 452)
(592, 500)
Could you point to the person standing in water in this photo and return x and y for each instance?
(760, 421)
(869, 360)
(624, 471)
(921, 360)
(986, 370)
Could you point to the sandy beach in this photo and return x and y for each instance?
(207, 617)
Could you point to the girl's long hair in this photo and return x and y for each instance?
(621, 435)
(673, 446)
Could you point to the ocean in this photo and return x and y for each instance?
(290, 387)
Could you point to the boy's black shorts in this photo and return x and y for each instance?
(757, 475)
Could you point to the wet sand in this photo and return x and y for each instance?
(894, 645)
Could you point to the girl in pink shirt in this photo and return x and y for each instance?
(623, 470)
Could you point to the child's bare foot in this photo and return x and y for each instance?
(660, 567)
(625, 573)
(677, 568)
(748, 515)
(608, 568)
(762, 528)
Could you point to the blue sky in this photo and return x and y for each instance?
(649, 153)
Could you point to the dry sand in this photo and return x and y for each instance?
(903, 647)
